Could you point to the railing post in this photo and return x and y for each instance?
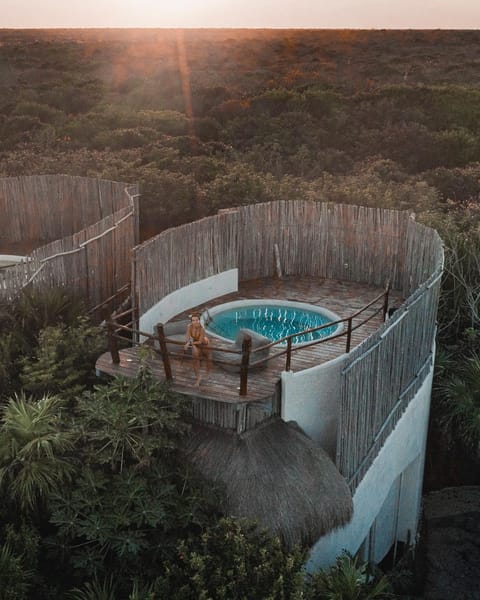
(246, 349)
(385, 300)
(349, 334)
(289, 354)
(112, 343)
(164, 351)
(105, 313)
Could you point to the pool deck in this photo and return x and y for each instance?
(343, 298)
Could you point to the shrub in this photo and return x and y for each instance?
(233, 560)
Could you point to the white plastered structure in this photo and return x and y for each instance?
(387, 500)
(310, 398)
(184, 298)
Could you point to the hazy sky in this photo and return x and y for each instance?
(415, 14)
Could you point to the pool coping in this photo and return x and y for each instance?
(210, 312)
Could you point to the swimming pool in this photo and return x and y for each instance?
(274, 319)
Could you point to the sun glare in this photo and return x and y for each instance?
(429, 14)
(185, 76)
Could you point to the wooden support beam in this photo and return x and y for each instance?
(164, 351)
(112, 343)
(246, 349)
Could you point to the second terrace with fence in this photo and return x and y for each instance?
(71, 232)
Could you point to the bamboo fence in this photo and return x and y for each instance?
(349, 243)
(239, 417)
(180, 256)
(93, 261)
(384, 373)
(43, 208)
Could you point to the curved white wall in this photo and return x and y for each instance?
(6, 260)
(189, 296)
(389, 493)
(311, 398)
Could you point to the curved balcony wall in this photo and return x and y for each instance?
(349, 243)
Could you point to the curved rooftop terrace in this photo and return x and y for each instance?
(337, 256)
(348, 393)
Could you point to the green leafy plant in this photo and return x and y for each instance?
(33, 450)
(64, 360)
(35, 309)
(348, 579)
(133, 497)
(233, 560)
(131, 421)
(96, 590)
(460, 394)
(108, 590)
(14, 576)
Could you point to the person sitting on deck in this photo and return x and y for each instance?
(198, 340)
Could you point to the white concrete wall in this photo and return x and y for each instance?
(385, 524)
(410, 500)
(403, 452)
(189, 296)
(10, 259)
(311, 398)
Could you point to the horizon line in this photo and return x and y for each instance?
(237, 28)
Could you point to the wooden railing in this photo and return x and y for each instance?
(104, 310)
(347, 332)
(159, 342)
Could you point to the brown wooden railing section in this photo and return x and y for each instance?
(105, 309)
(350, 328)
(114, 330)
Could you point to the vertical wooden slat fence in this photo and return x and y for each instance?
(239, 416)
(95, 260)
(43, 208)
(177, 257)
(350, 243)
(380, 378)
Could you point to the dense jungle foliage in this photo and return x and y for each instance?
(206, 120)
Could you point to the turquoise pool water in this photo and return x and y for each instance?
(270, 320)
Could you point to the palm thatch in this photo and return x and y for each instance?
(276, 475)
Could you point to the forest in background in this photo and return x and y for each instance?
(207, 119)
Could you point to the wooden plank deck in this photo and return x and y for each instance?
(343, 298)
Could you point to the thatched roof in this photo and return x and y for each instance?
(276, 475)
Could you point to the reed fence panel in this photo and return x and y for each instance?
(345, 242)
(183, 255)
(423, 256)
(95, 260)
(326, 240)
(381, 376)
(238, 417)
(43, 208)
